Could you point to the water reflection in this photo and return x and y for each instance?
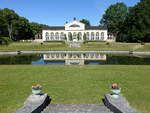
(74, 58)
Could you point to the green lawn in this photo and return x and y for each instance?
(145, 48)
(62, 46)
(74, 84)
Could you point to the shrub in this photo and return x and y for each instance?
(5, 40)
(142, 43)
(107, 43)
(84, 42)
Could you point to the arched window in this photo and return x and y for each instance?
(74, 25)
(87, 35)
(74, 35)
(92, 36)
(70, 36)
(57, 36)
(102, 35)
(47, 36)
(52, 36)
(62, 36)
(80, 36)
(97, 36)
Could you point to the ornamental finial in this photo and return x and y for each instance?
(74, 18)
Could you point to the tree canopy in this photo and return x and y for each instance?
(137, 25)
(114, 17)
(129, 24)
(86, 22)
(16, 27)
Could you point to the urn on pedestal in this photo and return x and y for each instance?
(37, 89)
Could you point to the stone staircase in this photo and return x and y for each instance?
(76, 108)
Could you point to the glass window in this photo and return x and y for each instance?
(97, 36)
(74, 25)
(102, 35)
(62, 36)
(57, 36)
(80, 35)
(92, 36)
(47, 36)
(74, 35)
(52, 36)
(87, 35)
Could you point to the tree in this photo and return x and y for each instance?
(137, 24)
(86, 22)
(36, 27)
(114, 17)
(10, 18)
(23, 30)
(16, 27)
(3, 28)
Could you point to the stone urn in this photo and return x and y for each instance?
(37, 89)
(115, 93)
(115, 90)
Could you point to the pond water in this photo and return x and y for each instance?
(74, 59)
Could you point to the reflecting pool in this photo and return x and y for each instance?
(74, 59)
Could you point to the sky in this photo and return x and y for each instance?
(57, 12)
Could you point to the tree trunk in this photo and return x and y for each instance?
(10, 31)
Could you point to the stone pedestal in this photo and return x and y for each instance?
(118, 105)
(34, 104)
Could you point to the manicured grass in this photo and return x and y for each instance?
(32, 46)
(88, 46)
(74, 84)
(109, 46)
(145, 48)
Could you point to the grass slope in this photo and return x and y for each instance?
(74, 84)
(89, 46)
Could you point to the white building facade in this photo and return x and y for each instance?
(75, 31)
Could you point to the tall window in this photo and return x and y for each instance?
(47, 36)
(74, 35)
(57, 36)
(102, 35)
(70, 36)
(62, 36)
(92, 36)
(97, 36)
(80, 35)
(52, 36)
(88, 36)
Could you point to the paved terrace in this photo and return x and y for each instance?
(76, 108)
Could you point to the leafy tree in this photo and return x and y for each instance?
(36, 27)
(137, 25)
(3, 27)
(5, 40)
(9, 18)
(16, 27)
(23, 29)
(114, 17)
(86, 22)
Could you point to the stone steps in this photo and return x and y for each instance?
(76, 108)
